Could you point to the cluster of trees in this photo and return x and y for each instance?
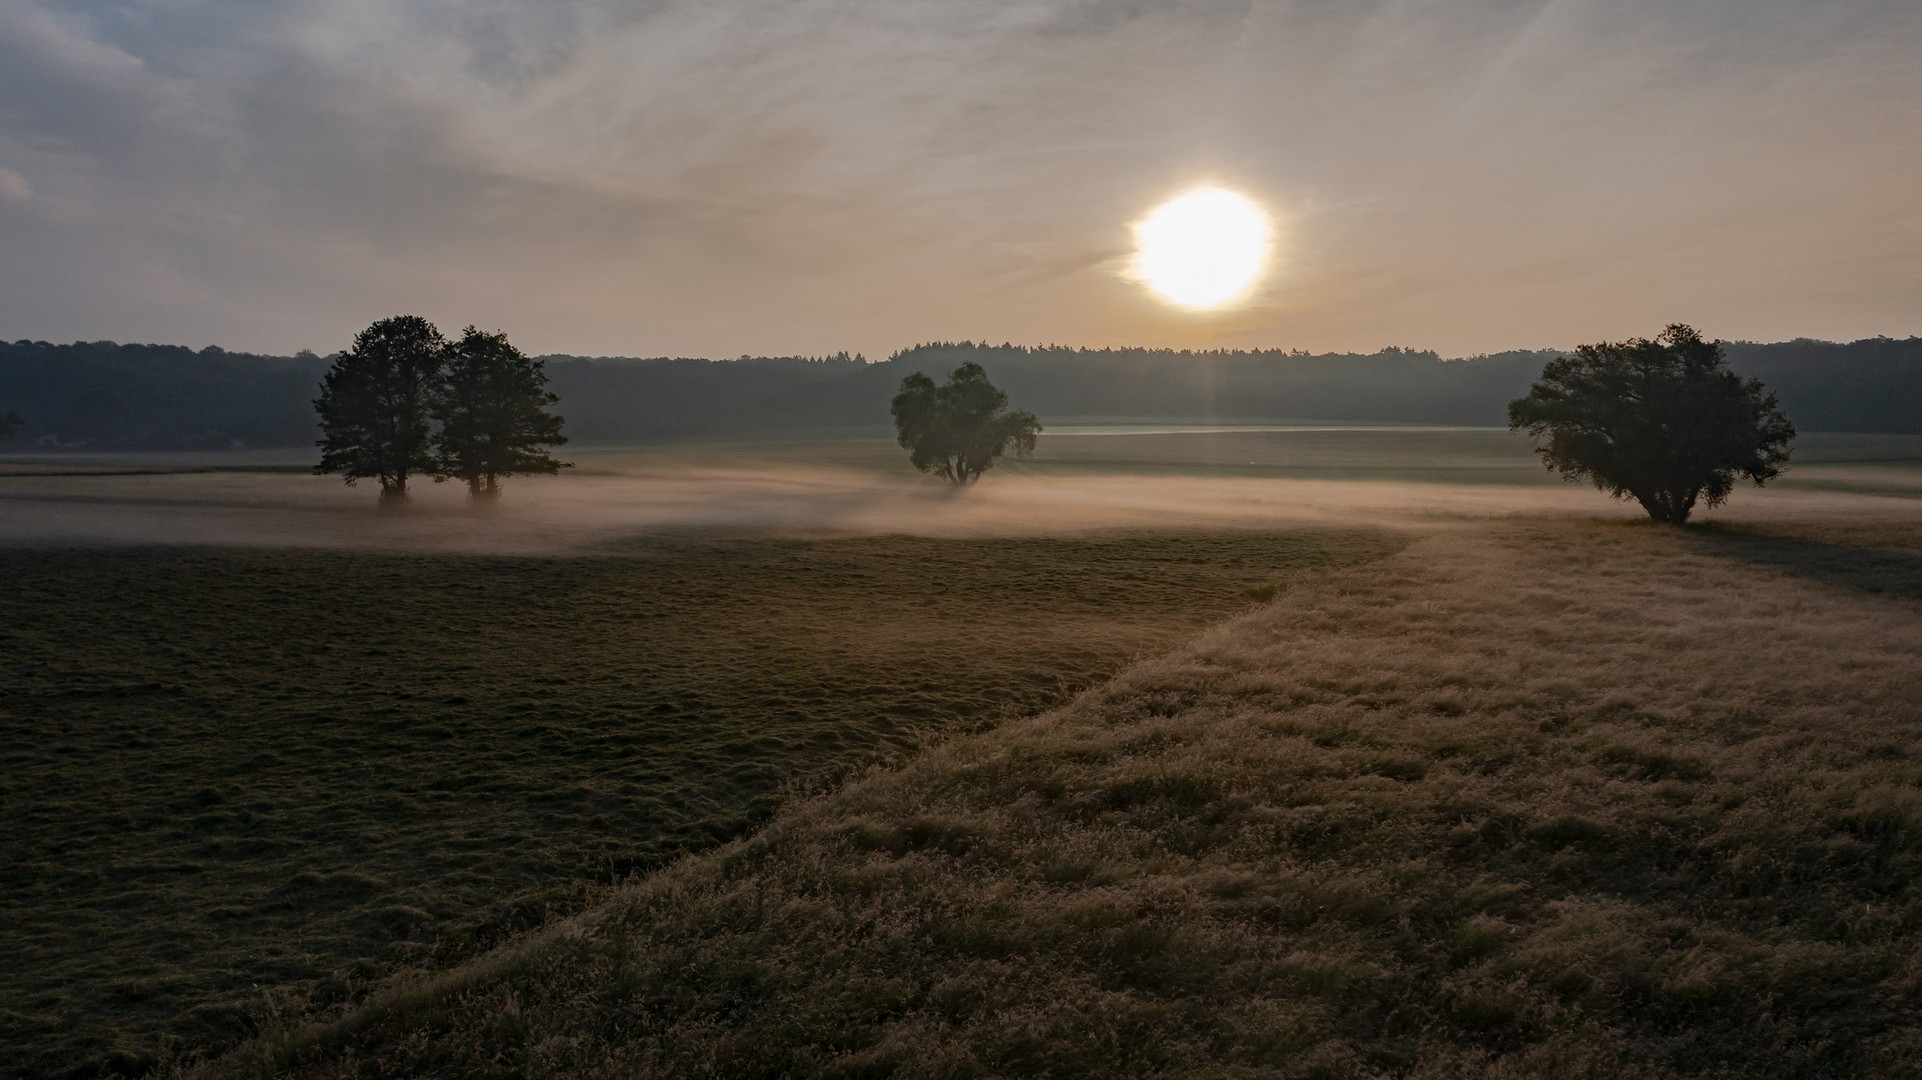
(958, 429)
(405, 401)
(1664, 422)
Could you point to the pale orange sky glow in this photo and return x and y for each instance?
(731, 177)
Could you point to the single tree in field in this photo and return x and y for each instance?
(11, 425)
(374, 405)
(493, 420)
(1664, 422)
(957, 430)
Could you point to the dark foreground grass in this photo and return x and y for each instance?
(1554, 800)
(236, 781)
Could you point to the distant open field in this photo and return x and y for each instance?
(266, 746)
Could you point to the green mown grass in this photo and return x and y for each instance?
(1554, 799)
(240, 781)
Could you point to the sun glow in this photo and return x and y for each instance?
(1203, 249)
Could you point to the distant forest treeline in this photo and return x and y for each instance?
(101, 395)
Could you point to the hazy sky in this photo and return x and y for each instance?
(777, 176)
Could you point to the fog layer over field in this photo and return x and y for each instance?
(1083, 480)
(579, 513)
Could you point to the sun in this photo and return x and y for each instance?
(1203, 249)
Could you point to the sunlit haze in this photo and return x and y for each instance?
(737, 176)
(1202, 249)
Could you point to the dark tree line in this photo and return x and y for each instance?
(105, 395)
(404, 401)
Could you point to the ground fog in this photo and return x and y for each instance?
(1083, 478)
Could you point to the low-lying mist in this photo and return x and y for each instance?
(591, 509)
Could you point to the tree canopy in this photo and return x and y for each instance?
(404, 400)
(374, 404)
(492, 412)
(958, 429)
(1665, 422)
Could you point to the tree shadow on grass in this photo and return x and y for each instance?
(1882, 571)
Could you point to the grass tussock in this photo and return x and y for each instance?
(1568, 800)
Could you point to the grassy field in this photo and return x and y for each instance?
(239, 779)
(1551, 798)
(1547, 793)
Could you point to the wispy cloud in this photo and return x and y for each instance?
(741, 175)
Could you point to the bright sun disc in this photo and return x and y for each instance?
(1203, 249)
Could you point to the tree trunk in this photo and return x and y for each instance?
(1667, 507)
(393, 495)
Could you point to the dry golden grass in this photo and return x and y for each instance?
(1528, 799)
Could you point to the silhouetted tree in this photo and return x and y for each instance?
(374, 405)
(11, 426)
(1665, 422)
(492, 417)
(959, 429)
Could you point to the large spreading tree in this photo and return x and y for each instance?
(957, 430)
(375, 405)
(493, 417)
(1664, 422)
